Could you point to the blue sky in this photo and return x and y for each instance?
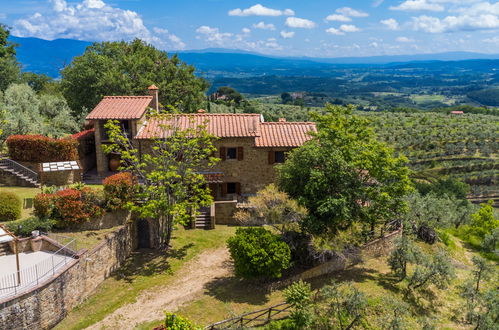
(318, 28)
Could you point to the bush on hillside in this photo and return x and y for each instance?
(26, 226)
(69, 206)
(259, 253)
(10, 206)
(119, 190)
(176, 322)
(40, 149)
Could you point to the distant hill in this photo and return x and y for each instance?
(43, 56)
(48, 57)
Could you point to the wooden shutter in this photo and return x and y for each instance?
(271, 157)
(240, 153)
(224, 189)
(223, 153)
(213, 190)
(238, 188)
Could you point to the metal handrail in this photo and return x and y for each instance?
(19, 168)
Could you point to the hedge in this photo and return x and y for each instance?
(41, 149)
(10, 206)
(119, 190)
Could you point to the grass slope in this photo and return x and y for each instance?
(144, 270)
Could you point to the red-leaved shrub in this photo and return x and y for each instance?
(119, 189)
(69, 206)
(40, 149)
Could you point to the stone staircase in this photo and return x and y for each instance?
(15, 174)
(203, 218)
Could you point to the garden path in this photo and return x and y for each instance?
(189, 283)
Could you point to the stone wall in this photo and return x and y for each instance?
(60, 178)
(374, 249)
(108, 220)
(224, 211)
(10, 179)
(46, 305)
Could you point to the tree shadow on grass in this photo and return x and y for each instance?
(148, 262)
(232, 289)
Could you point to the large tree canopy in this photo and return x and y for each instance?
(128, 68)
(344, 175)
(9, 68)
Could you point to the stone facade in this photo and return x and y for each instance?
(46, 305)
(224, 212)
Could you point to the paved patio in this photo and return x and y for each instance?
(35, 268)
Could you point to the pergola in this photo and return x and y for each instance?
(5, 237)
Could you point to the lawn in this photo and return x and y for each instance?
(26, 195)
(144, 270)
(231, 297)
(87, 239)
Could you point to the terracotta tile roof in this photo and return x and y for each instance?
(120, 107)
(284, 134)
(220, 125)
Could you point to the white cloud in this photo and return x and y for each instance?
(295, 22)
(390, 23)
(213, 35)
(338, 18)
(493, 40)
(246, 30)
(335, 31)
(455, 23)
(349, 28)
(259, 10)
(350, 12)
(344, 28)
(92, 20)
(404, 39)
(418, 5)
(262, 25)
(287, 34)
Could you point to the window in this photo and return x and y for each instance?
(231, 153)
(231, 188)
(280, 157)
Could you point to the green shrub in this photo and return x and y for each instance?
(26, 226)
(10, 206)
(258, 253)
(176, 322)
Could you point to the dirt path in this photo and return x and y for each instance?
(189, 283)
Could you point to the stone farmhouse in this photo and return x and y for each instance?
(248, 146)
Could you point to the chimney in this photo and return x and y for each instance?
(153, 91)
(282, 120)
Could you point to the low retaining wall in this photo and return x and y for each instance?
(224, 212)
(47, 304)
(108, 220)
(374, 249)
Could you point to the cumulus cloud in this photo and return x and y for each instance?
(213, 35)
(404, 39)
(349, 28)
(259, 10)
(390, 23)
(92, 20)
(335, 31)
(344, 28)
(287, 34)
(455, 23)
(350, 12)
(263, 26)
(493, 40)
(338, 18)
(295, 22)
(418, 5)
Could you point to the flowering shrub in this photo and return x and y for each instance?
(38, 148)
(68, 206)
(119, 189)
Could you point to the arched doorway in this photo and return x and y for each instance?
(143, 234)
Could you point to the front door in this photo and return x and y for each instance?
(144, 234)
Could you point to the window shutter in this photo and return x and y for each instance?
(213, 190)
(224, 189)
(223, 153)
(271, 157)
(238, 188)
(240, 153)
